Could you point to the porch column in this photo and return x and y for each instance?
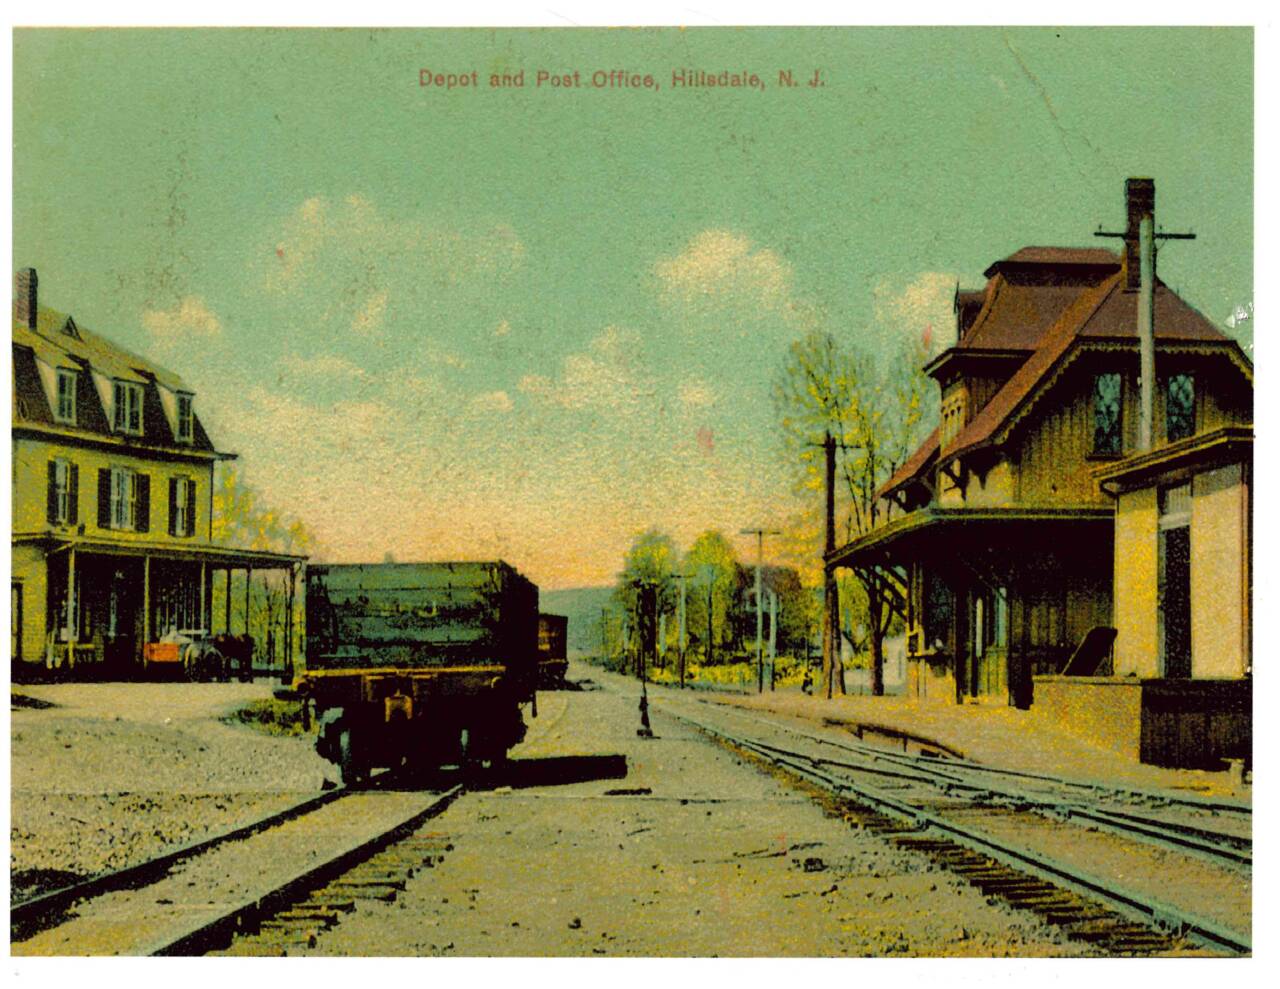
(146, 599)
(248, 580)
(288, 626)
(206, 620)
(226, 618)
(73, 617)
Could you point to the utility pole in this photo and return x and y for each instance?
(1140, 251)
(831, 594)
(759, 534)
(773, 640)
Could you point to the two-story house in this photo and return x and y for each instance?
(113, 478)
(997, 533)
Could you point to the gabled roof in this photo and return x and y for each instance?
(1102, 312)
(58, 341)
(50, 342)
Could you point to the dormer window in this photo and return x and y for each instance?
(186, 420)
(128, 402)
(66, 404)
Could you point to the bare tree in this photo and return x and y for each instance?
(872, 415)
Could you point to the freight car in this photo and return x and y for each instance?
(420, 663)
(553, 663)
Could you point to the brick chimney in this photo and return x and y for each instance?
(1140, 201)
(24, 297)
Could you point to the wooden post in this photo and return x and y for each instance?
(146, 602)
(288, 626)
(226, 618)
(73, 622)
(831, 594)
(248, 580)
(206, 620)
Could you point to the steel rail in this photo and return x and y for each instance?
(1162, 796)
(40, 912)
(1179, 836)
(1139, 906)
(251, 912)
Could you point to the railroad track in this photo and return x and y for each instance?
(1005, 844)
(1218, 831)
(261, 879)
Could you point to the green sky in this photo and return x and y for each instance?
(531, 322)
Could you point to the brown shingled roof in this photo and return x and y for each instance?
(1104, 311)
(1057, 256)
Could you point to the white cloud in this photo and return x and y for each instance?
(322, 366)
(348, 258)
(190, 317)
(368, 318)
(925, 303)
(608, 374)
(721, 266)
(696, 393)
(491, 401)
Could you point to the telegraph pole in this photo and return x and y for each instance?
(759, 534)
(831, 595)
(1140, 251)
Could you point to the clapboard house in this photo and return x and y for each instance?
(998, 536)
(113, 477)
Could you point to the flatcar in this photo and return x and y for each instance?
(553, 663)
(428, 664)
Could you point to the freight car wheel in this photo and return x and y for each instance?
(348, 765)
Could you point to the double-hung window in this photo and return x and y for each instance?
(64, 486)
(128, 403)
(182, 506)
(66, 398)
(124, 499)
(186, 420)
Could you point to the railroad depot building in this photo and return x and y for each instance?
(113, 477)
(1035, 513)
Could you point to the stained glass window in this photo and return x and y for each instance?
(1106, 414)
(1180, 407)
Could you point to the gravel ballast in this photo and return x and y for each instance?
(112, 774)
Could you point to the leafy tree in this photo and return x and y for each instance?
(646, 570)
(873, 414)
(241, 520)
(712, 565)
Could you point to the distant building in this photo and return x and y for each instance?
(112, 500)
(1003, 546)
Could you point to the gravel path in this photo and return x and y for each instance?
(113, 774)
(693, 854)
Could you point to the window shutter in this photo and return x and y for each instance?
(191, 508)
(173, 507)
(142, 504)
(53, 492)
(73, 494)
(104, 497)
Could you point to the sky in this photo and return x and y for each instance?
(528, 323)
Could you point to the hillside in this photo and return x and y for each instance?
(582, 606)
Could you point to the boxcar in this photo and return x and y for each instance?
(553, 664)
(424, 663)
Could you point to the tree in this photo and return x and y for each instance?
(648, 564)
(714, 569)
(872, 414)
(241, 520)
